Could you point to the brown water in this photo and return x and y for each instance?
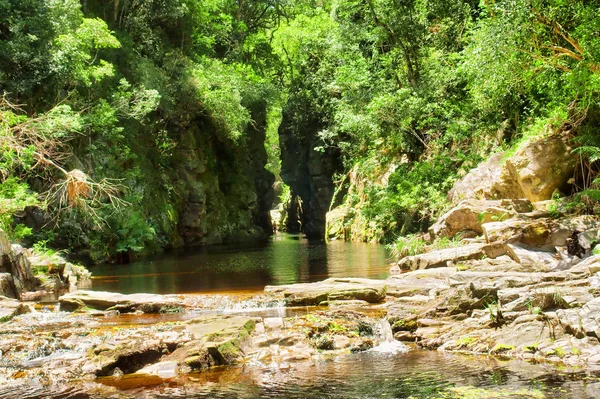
(416, 374)
(413, 375)
(285, 259)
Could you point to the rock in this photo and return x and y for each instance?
(341, 342)
(533, 260)
(273, 323)
(478, 182)
(545, 233)
(333, 289)
(10, 308)
(405, 336)
(589, 266)
(166, 369)
(469, 215)
(445, 257)
(147, 303)
(582, 322)
(13, 261)
(535, 171)
(7, 285)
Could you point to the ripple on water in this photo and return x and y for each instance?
(416, 374)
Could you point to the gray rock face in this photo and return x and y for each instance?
(226, 193)
(534, 172)
(447, 257)
(14, 263)
(332, 289)
(307, 171)
(543, 233)
(148, 303)
(584, 321)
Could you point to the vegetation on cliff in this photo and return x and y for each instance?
(142, 125)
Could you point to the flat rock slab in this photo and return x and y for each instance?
(101, 300)
(10, 308)
(333, 289)
(219, 326)
(447, 257)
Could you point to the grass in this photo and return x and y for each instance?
(414, 244)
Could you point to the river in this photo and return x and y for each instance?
(243, 269)
(285, 259)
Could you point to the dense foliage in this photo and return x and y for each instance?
(411, 93)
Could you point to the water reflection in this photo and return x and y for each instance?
(416, 375)
(285, 259)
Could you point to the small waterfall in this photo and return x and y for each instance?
(387, 344)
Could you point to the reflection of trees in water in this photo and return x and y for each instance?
(284, 260)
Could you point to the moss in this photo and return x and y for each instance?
(531, 348)
(467, 341)
(470, 392)
(501, 348)
(405, 325)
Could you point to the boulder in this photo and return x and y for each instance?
(100, 300)
(538, 168)
(7, 285)
(469, 215)
(13, 261)
(448, 256)
(333, 289)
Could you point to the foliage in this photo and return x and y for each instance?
(101, 99)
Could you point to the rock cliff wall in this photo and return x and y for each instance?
(308, 171)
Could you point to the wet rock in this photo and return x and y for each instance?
(323, 342)
(166, 369)
(333, 289)
(341, 342)
(129, 356)
(100, 300)
(450, 256)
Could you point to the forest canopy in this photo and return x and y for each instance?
(96, 96)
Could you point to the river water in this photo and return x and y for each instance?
(285, 259)
(416, 374)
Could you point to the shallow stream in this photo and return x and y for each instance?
(383, 372)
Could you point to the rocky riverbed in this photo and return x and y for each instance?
(527, 286)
